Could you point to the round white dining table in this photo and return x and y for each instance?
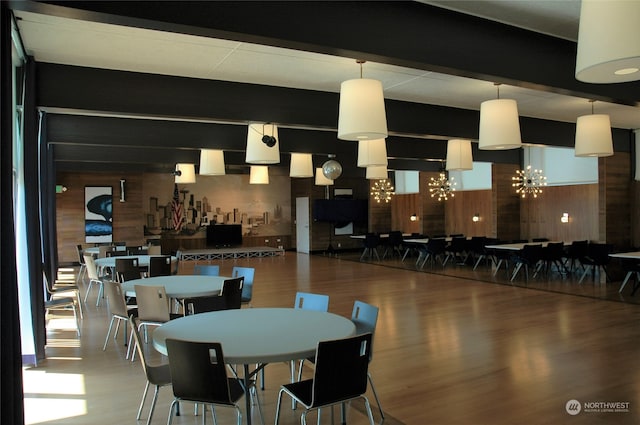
(179, 286)
(143, 260)
(257, 336)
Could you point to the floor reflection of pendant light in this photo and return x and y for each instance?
(185, 173)
(593, 135)
(377, 172)
(529, 182)
(301, 165)
(259, 174)
(608, 47)
(442, 187)
(262, 144)
(499, 124)
(382, 191)
(459, 155)
(372, 153)
(361, 112)
(211, 162)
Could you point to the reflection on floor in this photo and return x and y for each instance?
(594, 285)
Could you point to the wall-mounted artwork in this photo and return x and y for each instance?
(98, 223)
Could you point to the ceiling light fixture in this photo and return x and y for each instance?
(529, 182)
(608, 48)
(593, 135)
(185, 173)
(382, 190)
(499, 124)
(332, 169)
(259, 174)
(459, 155)
(262, 144)
(321, 180)
(361, 113)
(372, 153)
(377, 172)
(301, 165)
(212, 162)
(442, 187)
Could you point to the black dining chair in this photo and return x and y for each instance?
(199, 374)
(340, 375)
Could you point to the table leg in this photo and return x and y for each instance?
(247, 392)
(624, 283)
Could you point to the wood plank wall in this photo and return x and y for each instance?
(127, 216)
(461, 209)
(616, 191)
(506, 203)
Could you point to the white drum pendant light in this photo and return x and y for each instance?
(372, 152)
(212, 162)
(321, 180)
(377, 172)
(262, 144)
(499, 124)
(259, 174)
(593, 135)
(361, 115)
(185, 173)
(459, 155)
(301, 165)
(608, 41)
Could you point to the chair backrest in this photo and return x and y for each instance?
(436, 245)
(599, 252)
(115, 253)
(198, 371)
(395, 238)
(127, 269)
(90, 264)
(309, 301)
(554, 250)
(203, 304)
(206, 269)
(155, 250)
(365, 317)
(371, 240)
(153, 304)
(80, 254)
(137, 250)
(247, 286)
(232, 292)
(103, 249)
(341, 368)
(531, 252)
(160, 266)
(578, 249)
(116, 299)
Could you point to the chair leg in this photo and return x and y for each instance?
(106, 340)
(170, 418)
(144, 396)
(278, 406)
(375, 395)
(153, 404)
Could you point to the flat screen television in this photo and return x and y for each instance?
(224, 235)
(341, 210)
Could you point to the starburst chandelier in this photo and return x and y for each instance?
(442, 187)
(382, 191)
(529, 181)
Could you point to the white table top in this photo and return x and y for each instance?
(518, 246)
(95, 250)
(179, 286)
(143, 260)
(635, 255)
(258, 335)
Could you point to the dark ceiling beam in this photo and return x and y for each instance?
(403, 33)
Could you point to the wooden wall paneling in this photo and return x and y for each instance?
(127, 216)
(433, 222)
(459, 212)
(540, 217)
(635, 213)
(615, 187)
(506, 203)
(402, 208)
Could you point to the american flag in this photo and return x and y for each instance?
(176, 209)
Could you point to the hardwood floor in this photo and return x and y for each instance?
(448, 350)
